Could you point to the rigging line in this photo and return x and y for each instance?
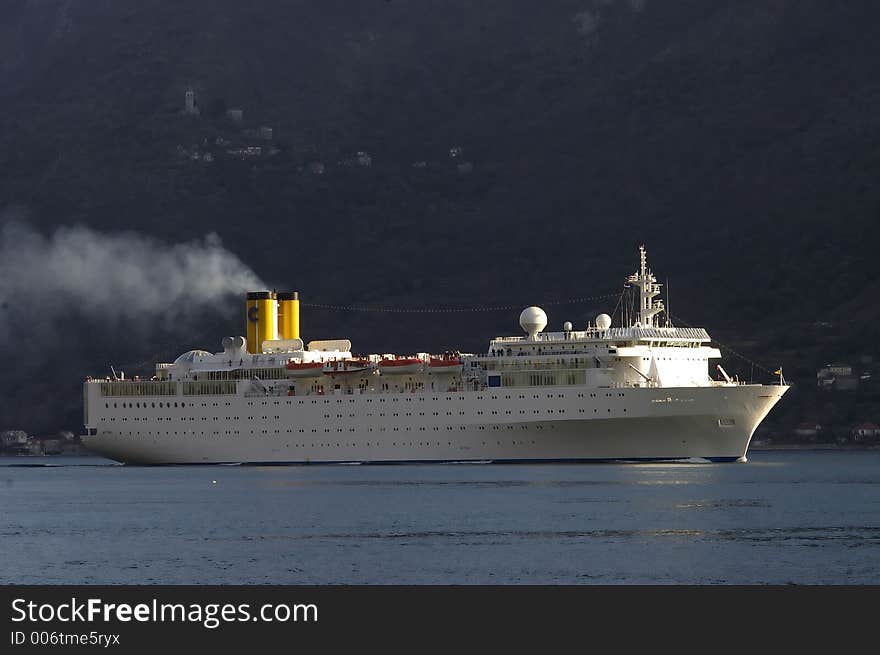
(167, 346)
(619, 300)
(727, 348)
(448, 310)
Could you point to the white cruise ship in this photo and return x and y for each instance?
(639, 391)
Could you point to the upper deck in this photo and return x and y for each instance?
(641, 351)
(659, 336)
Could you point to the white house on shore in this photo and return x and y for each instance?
(808, 430)
(14, 439)
(866, 431)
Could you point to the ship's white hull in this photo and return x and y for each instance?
(497, 425)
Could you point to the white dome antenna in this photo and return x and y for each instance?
(532, 320)
(603, 321)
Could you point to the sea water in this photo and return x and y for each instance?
(783, 517)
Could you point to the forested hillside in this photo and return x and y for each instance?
(434, 153)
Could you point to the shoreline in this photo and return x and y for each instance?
(812, 446)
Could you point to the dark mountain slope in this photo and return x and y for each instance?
(739, 140)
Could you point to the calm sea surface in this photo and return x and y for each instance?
(802, 517)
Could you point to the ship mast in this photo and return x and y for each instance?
(646, 281)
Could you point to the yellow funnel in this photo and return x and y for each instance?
(262, 319)
(288, 314)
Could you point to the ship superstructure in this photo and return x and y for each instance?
(636, 391)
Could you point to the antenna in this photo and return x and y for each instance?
(648, 290)
(113, 370)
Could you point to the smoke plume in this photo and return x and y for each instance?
(113, 277)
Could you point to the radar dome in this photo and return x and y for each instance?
(532, 321)
(567, 326)
(603, 321)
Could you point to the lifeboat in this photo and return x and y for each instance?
(346, 367)
(304, 369)
(400, 366)
(445, 365)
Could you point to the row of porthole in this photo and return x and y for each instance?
(408, 429)
(347, 445)
(422, 399)
(327, 430)
(421, 429)
(138, 405)
(184, 432)
(369, 414)
(166, 405)
(549, 411)
(183, 404)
